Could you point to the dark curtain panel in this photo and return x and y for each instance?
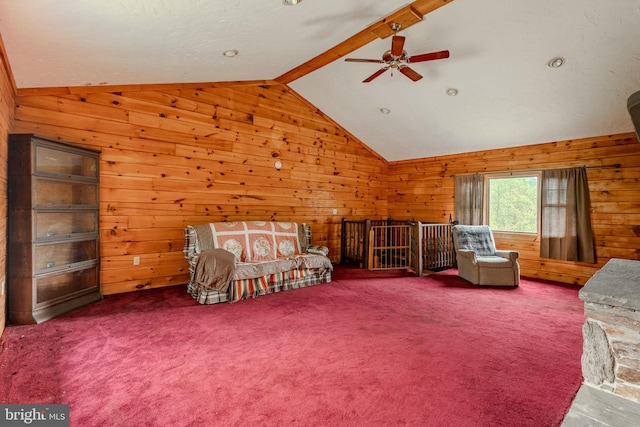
(468, 199)
(566, 217)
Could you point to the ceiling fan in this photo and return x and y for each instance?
(397, 58)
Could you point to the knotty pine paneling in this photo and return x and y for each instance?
(7, 101)
(177, 155)
(423, 189)
(174, 156)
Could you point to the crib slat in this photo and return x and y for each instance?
(437, 246)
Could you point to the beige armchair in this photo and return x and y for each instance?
(478, 260)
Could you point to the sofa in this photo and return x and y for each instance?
(231, 261)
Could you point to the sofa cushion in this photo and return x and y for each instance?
(250, 270)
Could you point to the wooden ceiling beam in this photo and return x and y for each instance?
(406, 16)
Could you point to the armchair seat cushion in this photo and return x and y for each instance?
(494, 262)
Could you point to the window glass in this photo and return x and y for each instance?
(513, 203)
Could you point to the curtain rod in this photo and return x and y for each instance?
(615, 166)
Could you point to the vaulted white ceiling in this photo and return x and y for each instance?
(507, 95)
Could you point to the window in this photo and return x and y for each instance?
(512, 202)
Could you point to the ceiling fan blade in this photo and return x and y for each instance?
(429, 56)
(410, 73)
(377, 61)
(374, 75)
(397, 44)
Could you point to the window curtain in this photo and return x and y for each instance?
(468, 199)
(565, 216)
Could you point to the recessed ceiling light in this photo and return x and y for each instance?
(385, 110)
(452, 91)
(556, 62)
(230, 53)
(291, 2)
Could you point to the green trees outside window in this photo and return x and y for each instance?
(512, 203)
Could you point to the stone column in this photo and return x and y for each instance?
(611, 351)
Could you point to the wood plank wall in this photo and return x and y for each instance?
(7, 100)
(178, 155)
(423, 189)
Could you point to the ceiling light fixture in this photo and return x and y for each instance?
(556, 62)
(291, 2)
(452, 91)
(230, 53)
(385, 110)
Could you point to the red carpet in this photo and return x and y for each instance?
(369, 349)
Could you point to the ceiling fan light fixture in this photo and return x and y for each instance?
(556, 62)
(230, 53)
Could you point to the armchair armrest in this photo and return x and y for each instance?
(467, 254)
(511, 255)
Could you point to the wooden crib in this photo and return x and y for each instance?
(397, 244)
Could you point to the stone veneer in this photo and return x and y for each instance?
(611, 350)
